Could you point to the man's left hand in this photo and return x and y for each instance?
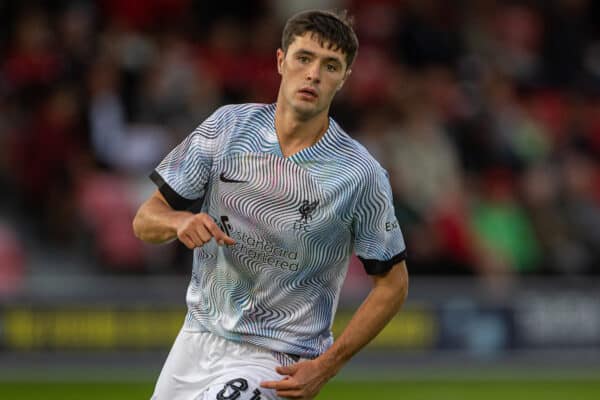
(303, 380)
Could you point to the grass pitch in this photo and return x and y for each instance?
(579, 389)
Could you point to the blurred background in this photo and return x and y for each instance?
(486, 114)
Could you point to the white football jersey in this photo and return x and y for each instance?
(296, 221)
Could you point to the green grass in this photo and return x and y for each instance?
(465, 390)
(337, 390)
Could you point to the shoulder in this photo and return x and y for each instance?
(354, 156)
(225, 119)
(244, 110)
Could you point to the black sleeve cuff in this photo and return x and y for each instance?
(176, 201)
(377, 267)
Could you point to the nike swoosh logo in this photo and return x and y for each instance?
(224, 179)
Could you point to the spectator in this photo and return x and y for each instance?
(444, 96)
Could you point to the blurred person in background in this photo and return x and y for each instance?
(273, 198)
(495, 75)
(581, 208)
(503, 226)
(12, 265)
(45, 153)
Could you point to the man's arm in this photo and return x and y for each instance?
(305, 379)
(157, 222)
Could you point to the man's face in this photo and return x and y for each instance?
(310, 75)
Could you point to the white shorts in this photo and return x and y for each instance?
(204, 366)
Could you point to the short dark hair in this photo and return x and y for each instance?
(327, 26)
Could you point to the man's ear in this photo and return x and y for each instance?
(280, 57)
(341, 84)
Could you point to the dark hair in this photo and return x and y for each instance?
(327, 26)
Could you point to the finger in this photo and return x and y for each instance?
(284, 384)
(269, 384)
(286, 370)
(194, 237)
(203, 233)
(216, 232)
(184, 238)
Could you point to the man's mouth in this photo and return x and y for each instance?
(309, 92)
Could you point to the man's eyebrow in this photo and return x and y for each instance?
(334, 59)
(304, 51)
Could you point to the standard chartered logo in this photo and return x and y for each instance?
(260, 250)
(265, 252)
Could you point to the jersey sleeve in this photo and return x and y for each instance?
(182, 176)
(378, 240)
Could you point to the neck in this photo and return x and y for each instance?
(296, 133)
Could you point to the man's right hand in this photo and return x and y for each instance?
(157, 222)
(197, 229)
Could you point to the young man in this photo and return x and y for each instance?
(285, 197)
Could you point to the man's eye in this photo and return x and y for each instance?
(303, 59)
(331, 67)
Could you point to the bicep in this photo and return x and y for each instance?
(156, 202)
(158, 196)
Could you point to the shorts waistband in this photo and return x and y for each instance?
(285, 359)
(193, 325)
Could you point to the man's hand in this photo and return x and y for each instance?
(303, 380)
(157, 222)
(197, 229)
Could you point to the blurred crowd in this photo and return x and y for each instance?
(485, 113)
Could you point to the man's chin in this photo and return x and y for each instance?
(306, 110)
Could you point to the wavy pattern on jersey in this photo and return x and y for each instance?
(270, 200)
(252, 133)
(269, 195)
(187, 167)
(266, 324)
(250, 291)
(372, 205)
(204, 256)
(343, 165)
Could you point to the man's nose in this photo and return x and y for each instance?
(314, 73)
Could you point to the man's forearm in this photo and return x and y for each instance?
(380, 306)
(156, 222)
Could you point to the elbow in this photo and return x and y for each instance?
(140, 228)
(150, 223)
(143, 229)
(137, 228)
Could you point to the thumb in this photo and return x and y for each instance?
(286, 369)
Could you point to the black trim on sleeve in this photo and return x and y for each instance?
(175, 200)
(377, 267)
